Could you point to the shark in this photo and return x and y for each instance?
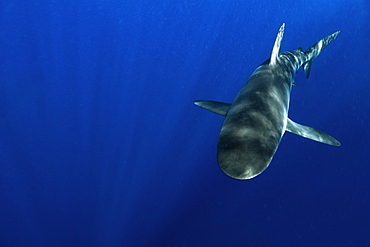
(258, 117)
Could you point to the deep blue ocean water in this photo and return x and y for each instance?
(101, 144)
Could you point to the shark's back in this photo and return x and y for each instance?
(254, 124)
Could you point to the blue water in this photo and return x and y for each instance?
(101, 145)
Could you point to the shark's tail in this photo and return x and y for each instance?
(315, 50)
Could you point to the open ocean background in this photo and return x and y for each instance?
(101, 144)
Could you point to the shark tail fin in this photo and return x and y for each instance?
(315, 50)
(277, 45)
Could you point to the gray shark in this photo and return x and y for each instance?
(258, 118)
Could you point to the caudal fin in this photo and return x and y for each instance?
(315, 50)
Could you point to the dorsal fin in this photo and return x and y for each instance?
(277, 44)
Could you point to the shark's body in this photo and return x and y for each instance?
(257, 119)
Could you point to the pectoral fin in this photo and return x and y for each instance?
(310, 133)
(213, 106)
